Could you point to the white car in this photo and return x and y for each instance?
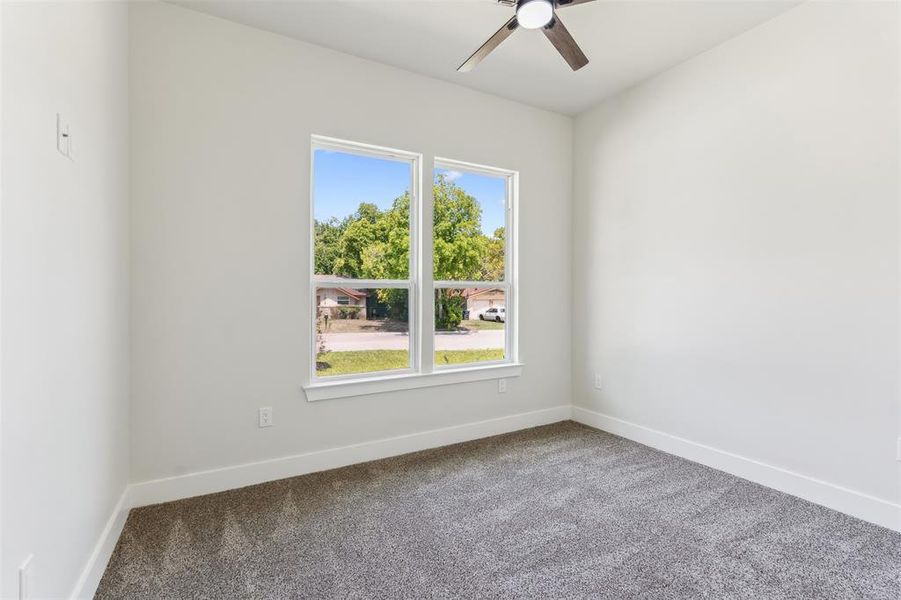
(496, 313)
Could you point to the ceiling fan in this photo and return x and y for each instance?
(534, 14)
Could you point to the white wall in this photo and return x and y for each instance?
(221, 121)
(65, 287)
(737, 218)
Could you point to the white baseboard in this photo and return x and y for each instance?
(90, 577)
(863, 506)
(227, 478)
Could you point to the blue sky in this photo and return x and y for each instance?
(341, 181)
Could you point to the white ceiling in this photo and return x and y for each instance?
(626, 40)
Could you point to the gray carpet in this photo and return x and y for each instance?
(561, 511)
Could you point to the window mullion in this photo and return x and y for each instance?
(426, 278)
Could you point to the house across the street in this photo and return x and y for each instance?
(341, 303)
(478, 300)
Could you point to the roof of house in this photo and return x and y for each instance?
(352, 292)
(473, 292)
(347, 291)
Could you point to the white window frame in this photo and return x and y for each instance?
(508, 284)
(421, 371)
(410, 284)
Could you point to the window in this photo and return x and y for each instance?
(472, 212)
(364, 204)
(385, 304)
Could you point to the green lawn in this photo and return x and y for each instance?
(478, 324)
(454, 357)
(366, 361)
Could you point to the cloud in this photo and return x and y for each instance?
(453, 175)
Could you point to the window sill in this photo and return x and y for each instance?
(362, 387)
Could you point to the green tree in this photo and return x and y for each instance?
(459, 248)
(327, 235)
(388, 257)
(375, 244)
(459, 245)
(360, 232)
(493, 267)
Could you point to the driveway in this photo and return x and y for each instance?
(470, 340)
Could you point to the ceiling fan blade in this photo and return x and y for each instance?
(565, 44)
(565, 3)
(493, 42)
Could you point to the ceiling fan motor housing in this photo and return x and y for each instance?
(535, 15)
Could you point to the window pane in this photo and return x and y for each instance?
(369, 333)
(361, 211)
(469, 226)
(469, 325)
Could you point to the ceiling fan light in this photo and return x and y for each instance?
(532, 14)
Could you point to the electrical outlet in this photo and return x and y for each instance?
(899, 449)
(501, 386)
(598, 382)
(266, 416)
(63, 137)
(26, 579)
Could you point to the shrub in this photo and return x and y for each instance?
(448, 309)
(349, 312)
